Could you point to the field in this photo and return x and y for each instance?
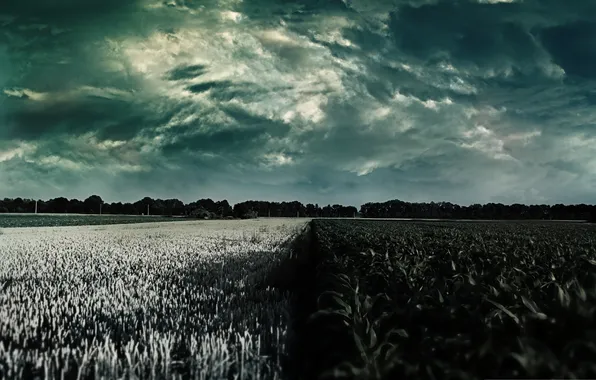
(449, 300)
(56, 220)
(152, 301)
(280, 299)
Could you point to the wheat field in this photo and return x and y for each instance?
(152, 301)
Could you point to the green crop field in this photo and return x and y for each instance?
(403, 300)
(57, 220)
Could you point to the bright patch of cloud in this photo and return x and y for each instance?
(26, 93)
(231, 16)
(22, 150)
(277, 159)
(59, 162)
(487, 141)
(78, 93)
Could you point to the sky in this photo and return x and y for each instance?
(322, 101)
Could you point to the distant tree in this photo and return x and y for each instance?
(251, 214)
(202, 213)
(4, 206)
(311, 211)
(327, 212)
(18, 205)
(208, 205)
(75, 206)
(43, 207)
(116, 208)
(106, 208)
(58, 205)
(141, 206)
(240, 209)
(158, 207)
(224, 209)
(92, 204)
(129, 209)
(174, 207)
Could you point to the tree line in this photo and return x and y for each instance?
(210, 209)
(203, 208)
(446, 210)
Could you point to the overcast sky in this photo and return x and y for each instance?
(324, 101)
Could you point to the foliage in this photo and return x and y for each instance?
(446, 210)
(222, 209)
(452, 300)
(250, 215)
(174, 207)
(201, 213)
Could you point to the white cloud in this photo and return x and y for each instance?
(245, 56)
(364, 168)
(376, 114)
(21, 150)
(57, 161)
(62, 96)
(26, 93)
(277, 160)
(282, 38)
(231, 16)
(458, 85)
(493, 145)
(485, 141)
(311, 109)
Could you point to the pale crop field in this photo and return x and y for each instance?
(159, 300)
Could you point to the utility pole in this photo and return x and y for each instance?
(101, 204)
(36, 207)
(147, 210)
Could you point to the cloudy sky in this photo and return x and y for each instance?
(325, 101)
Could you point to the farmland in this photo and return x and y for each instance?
(56, 220)
(161, 300)
(449, 300)
(277, 299)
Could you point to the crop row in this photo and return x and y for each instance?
(450, 300)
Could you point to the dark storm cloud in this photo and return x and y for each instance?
(78, 114)
(242, 139)
(32, 122)
(226, 91)
(572, 47)
(206, 86)
(323, 101)
(187, 72)
(435, 31)
(233, 142)
(62, 9)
